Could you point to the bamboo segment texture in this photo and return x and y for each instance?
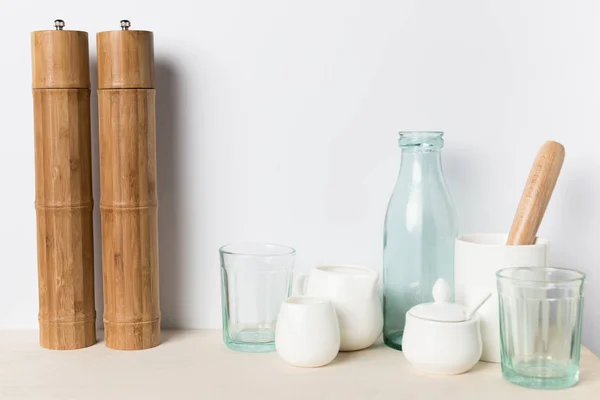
(63, 196)
(128, 203)
(125, 60)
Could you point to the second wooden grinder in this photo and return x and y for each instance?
(128, 197)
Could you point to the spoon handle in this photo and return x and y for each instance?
(478, 306)
(537, 193)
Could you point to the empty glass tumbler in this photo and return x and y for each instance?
(255, 280)
(540, 325)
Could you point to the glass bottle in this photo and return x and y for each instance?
(419, 233)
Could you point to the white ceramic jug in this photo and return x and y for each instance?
(354, 292)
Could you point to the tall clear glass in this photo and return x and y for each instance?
(540, 325)
(419, 233)
(255, 280)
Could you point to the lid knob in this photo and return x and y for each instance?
(441, 291)
(59, 24)
(125, 25)
(441, 310)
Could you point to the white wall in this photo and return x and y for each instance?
(278, 119)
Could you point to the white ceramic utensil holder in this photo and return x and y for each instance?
(477, 257)
(307, 332)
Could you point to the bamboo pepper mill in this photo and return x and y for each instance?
(128, 199)
(63, 188)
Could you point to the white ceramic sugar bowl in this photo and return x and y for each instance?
(441, 337)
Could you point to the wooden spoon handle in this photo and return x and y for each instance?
(537, 193)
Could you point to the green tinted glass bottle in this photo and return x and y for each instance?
(419, 233)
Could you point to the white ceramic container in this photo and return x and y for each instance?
(354, 292)
(307, 332)
(476, 259)
(439, 338)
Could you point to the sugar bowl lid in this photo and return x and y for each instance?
(441, 310)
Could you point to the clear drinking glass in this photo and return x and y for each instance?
(419, 233)
(540, 325)
(255, 280)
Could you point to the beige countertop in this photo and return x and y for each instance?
(197, 365)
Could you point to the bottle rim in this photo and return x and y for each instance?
(426, 140)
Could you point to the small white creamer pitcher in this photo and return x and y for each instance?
(354, 292)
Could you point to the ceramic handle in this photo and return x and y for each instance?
(299, 285)
(537, 193)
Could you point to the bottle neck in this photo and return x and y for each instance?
(418, 165)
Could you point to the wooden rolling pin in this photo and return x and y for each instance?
(537, 193)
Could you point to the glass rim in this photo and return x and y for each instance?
(501, 274)
(284, 250)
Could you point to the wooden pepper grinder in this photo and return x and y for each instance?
(128, 202)
(63, 188)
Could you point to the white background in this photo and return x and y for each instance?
(278, 120)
